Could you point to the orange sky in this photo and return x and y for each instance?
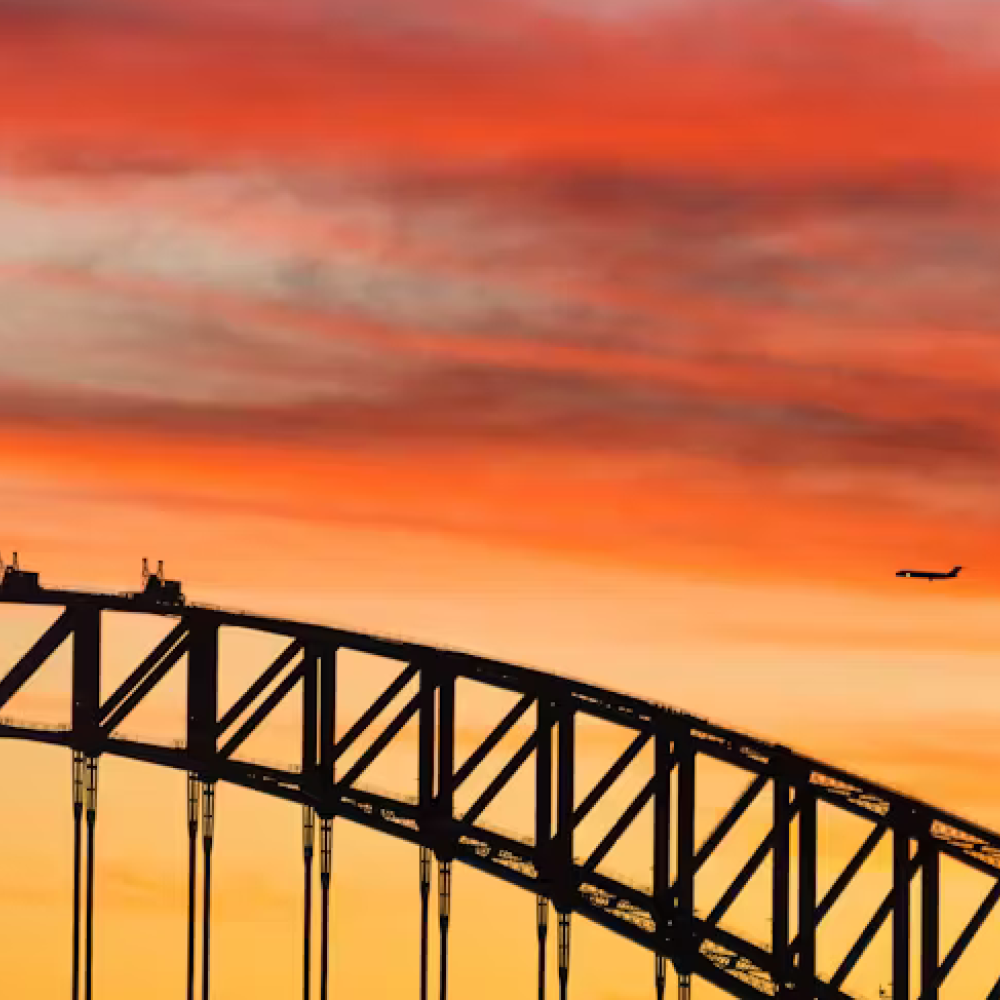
(641, 341)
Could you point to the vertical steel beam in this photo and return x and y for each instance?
(194, 795)
(327, 739)
(543, 784)
(780, 867)
(444, 912)
(661, 976)
(308, 839)
(426, 721)
(327, 714)
(86, 677)
(662, 901)
(564, 837)
(545, 719)
(425, 764)
(310, 723)
(663, 764)
(446, 746)
(203, 689)
(565, 801)
(930, 924)
(542, 915)
(900, 914)
(444, 806)
(425, 893)
(86, 707)
(208, 835)
(563, 954)
(807, 891)
(78, 792)
(685, 856)
(91, 766)
(325, 867)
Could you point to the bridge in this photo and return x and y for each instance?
(660, 917)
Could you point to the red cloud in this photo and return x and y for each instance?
(741, 90)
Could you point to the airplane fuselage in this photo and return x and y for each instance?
(925, 574)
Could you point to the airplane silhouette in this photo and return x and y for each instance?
(929, 574)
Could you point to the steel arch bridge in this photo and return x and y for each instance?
(660, 917)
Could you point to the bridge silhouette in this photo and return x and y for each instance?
(660, 917)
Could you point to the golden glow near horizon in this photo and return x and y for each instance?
(640, 342)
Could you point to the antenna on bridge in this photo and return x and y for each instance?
(158, 589)
(147, 574)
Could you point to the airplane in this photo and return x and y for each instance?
(928, 574)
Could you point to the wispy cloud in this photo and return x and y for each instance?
(191, 290)
(719, 265)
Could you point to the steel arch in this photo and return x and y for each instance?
(660, 917)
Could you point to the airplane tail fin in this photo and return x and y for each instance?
(955, 571)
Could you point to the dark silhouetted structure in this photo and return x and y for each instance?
(157, 589)
(661, 917)
(16, 580)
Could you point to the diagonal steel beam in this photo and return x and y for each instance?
(377, 706)
(247, 698)
(152, 678)
(621, 825)
(499, 732)
(615, 771)
(874, 925)
(730, 820)
(965, 938)
(261, 712)
(853, 866)
(177, 634)
(406, 713)
(995, 992)
(748, 871)
(501, 779)
(49, 642)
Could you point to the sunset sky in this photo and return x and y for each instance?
(637, 340)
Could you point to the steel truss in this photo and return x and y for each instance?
(660, 917)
